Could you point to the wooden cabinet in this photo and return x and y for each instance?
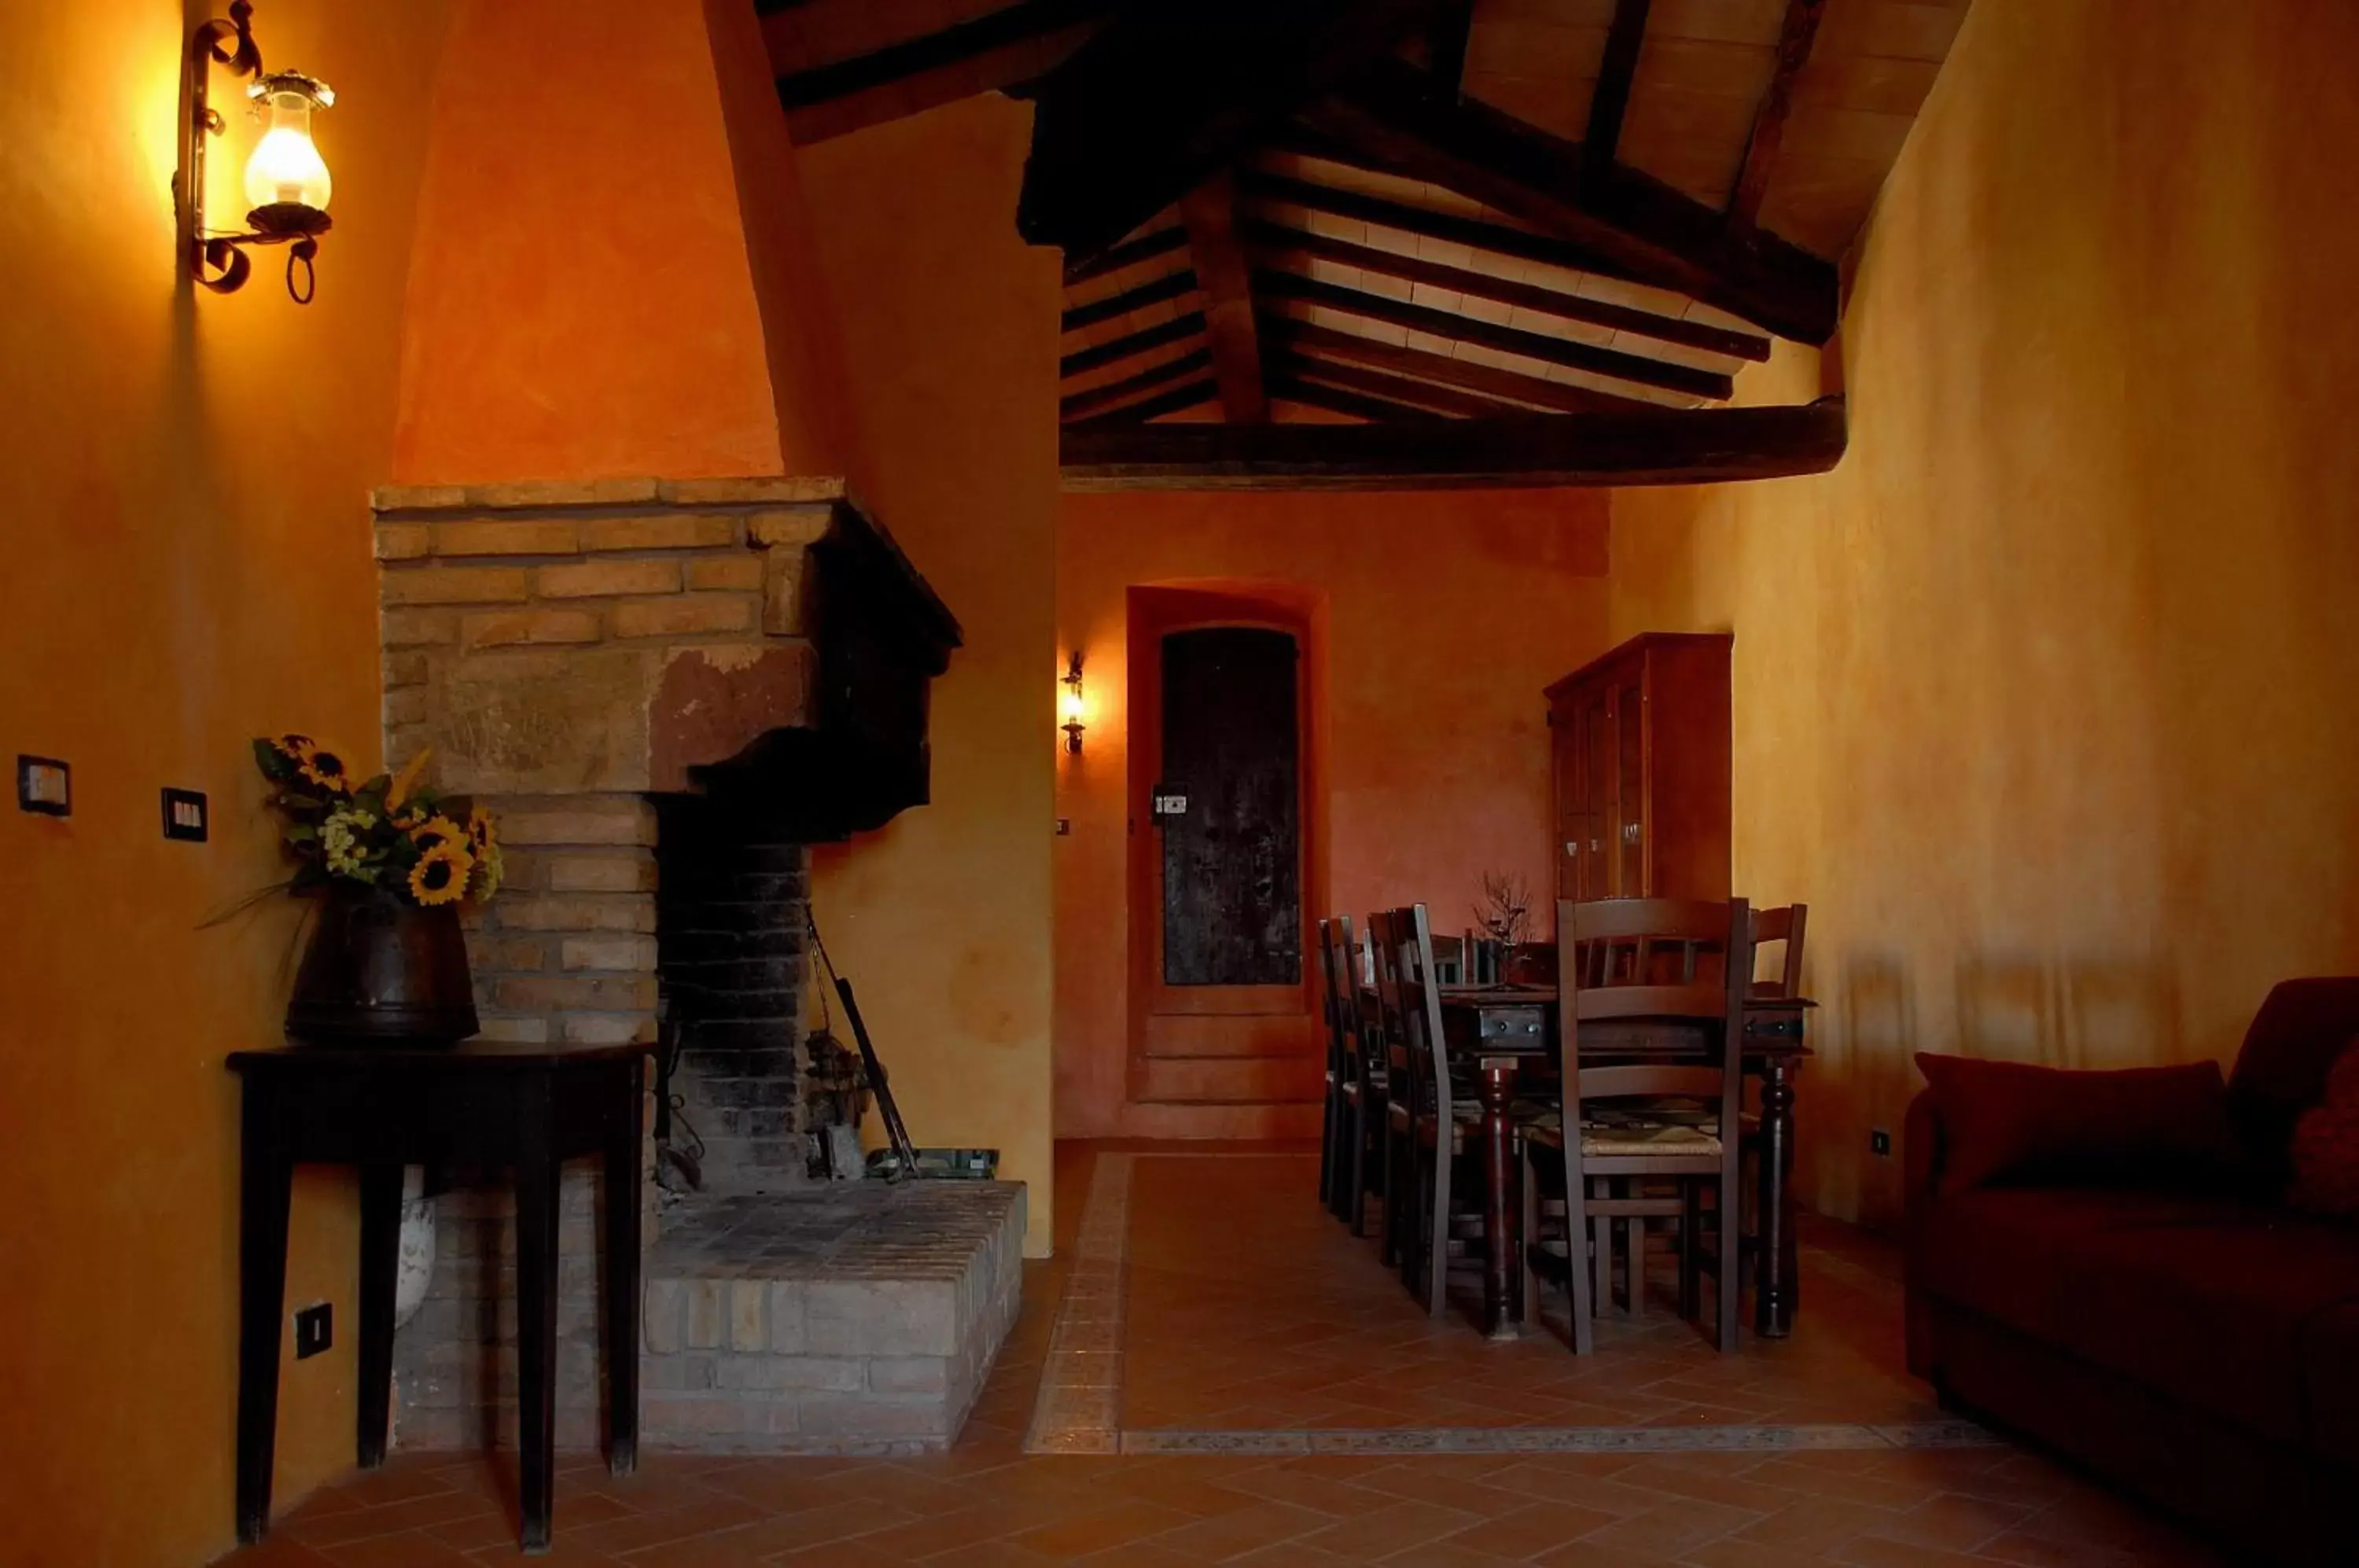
(1641, 742)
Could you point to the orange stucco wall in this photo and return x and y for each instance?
(618, 281)
(1440, 616)
(187, 566)
(942, 918)
(2044, 697)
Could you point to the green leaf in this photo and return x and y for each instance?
(301, 833)
(274, 763)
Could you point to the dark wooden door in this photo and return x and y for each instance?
(1232, 856)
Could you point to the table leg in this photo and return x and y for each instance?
(622, 1305)
(1773, 1305)
(537, 1184)
(267, 1177)
(380, 1262)
(1500, 1210)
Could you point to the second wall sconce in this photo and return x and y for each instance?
(286, 183)
(1069, 704)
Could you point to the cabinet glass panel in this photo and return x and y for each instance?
(1596, 788)
(1630, 758)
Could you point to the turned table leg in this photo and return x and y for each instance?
(1501, 1244)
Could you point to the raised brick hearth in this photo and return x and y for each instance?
(855, 1316)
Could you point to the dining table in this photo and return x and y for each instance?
(1505, 1031)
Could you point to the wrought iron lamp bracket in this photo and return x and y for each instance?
(218, 260)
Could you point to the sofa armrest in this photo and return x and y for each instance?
(1920, 1153)
(1920, 1167)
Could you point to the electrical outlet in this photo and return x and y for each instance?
(1879, 1142)
(184, 814)
(44, 785)
(315, 1329)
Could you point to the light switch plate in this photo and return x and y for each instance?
(44, 785)
(315, 1330)
(185, 814)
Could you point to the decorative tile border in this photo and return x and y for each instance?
(1078, 1407)
(1561, 1439)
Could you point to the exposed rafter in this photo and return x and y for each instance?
(1208, 213)
(996, 49)
(1146, 247)
(1074, 405)
(1399, 391)
(1391, 110)
(1632, 368)
(1794, 41)
(1609, 102)
(1154, 292)
(1189, 394)
(1472, 375)
(1293, 388)
(1144, 341)
(1496, 238)
(1165, 94)
(1662, 446)
(1277, 240)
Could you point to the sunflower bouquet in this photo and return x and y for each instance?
(388, 832)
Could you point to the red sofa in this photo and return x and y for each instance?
(2190, 1339)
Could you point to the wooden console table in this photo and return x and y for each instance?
(527, 1106)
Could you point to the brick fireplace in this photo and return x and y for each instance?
(667, 690)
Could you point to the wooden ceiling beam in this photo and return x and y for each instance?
(1168, 91)
(1392, 112)
(1074, 405)
(1445, 44)
(1146, 247)
(1277, 240)
(1209, 213)
(1472, 375)
(1658, 446)
(1794, 40)
(1189, 394)
(1155, 291)
(1398, 389)
(1607, 362)
(1145, 340)
(1609, 102)
(934, 67)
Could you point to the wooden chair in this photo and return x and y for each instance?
(1630, 968)
(1358, 1077)
(1429, 1120)
(1783, 924)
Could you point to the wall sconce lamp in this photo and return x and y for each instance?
(1069, 704)
(286, 179)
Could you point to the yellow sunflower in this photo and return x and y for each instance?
(440, 876)
(322, 765)
(484, 844)
(437, 830)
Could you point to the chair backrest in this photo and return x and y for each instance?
(1630, 962)
(1783, 924)
(1346, 1037)
(1409, 1004)
(1420, 1004)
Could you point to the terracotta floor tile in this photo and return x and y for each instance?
(1534, 1528)
(1278, 1320)
(1083, 1533)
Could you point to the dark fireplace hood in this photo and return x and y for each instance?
(878, 635)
